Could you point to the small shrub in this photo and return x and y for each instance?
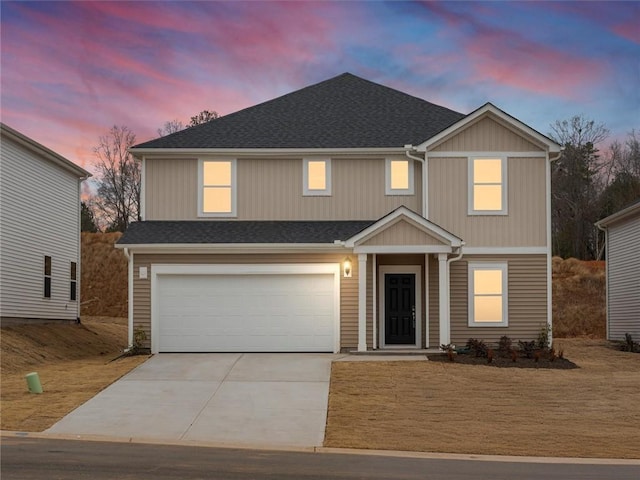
(514, 355)
(504, 345)
(552, 354)
(543, 337)
(536, 356)
(629, 345)
(450, 349)
(477, 347)
(560, 354)
(527, 348)
(489, 355)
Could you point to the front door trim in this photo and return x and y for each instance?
(383, 270)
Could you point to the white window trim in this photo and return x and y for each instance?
(73, 282)
(505, 196)
(234, 188)
(398, 191)
(305, 178)
(471, 267)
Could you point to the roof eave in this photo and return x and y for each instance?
(337, 246)
(261, 152)
(623, 214)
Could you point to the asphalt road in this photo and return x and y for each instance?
(36, 458)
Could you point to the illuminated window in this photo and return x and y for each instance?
(399, 177)
(487, 185)
(316, 177)
(217, 188)
(487, 294)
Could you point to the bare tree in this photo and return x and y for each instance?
(203, 117)
(172, 126)
(117, 180)
(576, 182)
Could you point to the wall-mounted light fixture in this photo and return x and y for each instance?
(346, 268)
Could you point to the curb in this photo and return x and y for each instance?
(327, 450)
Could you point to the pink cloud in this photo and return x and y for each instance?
(629, 30)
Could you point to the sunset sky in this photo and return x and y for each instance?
(71, 70)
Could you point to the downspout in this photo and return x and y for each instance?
(423, 161)
(447, 282)
(129, 298)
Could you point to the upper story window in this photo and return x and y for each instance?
(488, 186)
(316, 177)
(398, 177)
(487, 294)
(217, 188)
(47, 277)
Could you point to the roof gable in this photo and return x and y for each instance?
(489, 110)
(343, 112)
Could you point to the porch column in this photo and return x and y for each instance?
(362, 302)
(443, 284)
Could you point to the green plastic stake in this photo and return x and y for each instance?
(33, 382)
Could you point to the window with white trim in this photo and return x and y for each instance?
(217, 188)
(487, 186)
(398, 177)
(488, 294)
(316, 177)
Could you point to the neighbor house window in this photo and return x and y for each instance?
(316, 177)
(399, 177)
(73, 292)
(487, 186)
(487, 294)
(217, 195)
(47, 277)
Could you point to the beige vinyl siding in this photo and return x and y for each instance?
(524, 226)
(487, 135)
(623, 278)
(171, 189)
(348, 286)
(39, 216)
(527, 297)
(271, 189)
(401, 233)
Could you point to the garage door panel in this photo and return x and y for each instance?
(267, 312)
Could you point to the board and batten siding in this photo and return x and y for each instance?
(527, 297)
(623, 278)
(401, 233)
(526, 222)
(39, 216)
(348, 286)
(271, 189)
(486, 135)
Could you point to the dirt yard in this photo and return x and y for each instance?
(591, 411)
(74, 363)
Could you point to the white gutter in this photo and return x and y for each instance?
(423, 161)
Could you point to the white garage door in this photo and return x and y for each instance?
(246, 313)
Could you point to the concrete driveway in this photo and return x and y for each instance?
(236, 399)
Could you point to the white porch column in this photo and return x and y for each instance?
(362, 302)
(443, 290)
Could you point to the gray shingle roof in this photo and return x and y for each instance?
(343, 112)
(223, 231)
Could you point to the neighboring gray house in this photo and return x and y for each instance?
(622, 230)
(39, 231)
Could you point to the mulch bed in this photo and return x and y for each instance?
(506, 362)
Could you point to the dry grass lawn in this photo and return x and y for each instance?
(592, 411)
(73, 362)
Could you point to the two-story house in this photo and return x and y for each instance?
(39, 232)
(346, 215)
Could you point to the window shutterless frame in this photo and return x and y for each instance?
(316, 177)
(399, 176)
(217, 184)
(488, 294)
(47, 277)
(487, 185)
(73, 284)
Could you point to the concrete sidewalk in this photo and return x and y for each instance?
(237, 399)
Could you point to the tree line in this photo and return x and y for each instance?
(586, 184)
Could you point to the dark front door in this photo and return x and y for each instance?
(400, 309)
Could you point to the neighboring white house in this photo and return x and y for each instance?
(622, 231)
(39, 231)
